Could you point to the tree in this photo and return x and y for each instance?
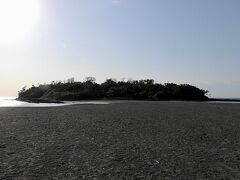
(70, 80)
(90, 79)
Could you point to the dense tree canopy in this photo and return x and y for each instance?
(112, 89)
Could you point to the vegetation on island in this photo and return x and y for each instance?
(111, 89)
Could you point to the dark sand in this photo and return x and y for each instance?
(130, 140)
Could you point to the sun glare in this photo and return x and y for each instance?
(17, 19)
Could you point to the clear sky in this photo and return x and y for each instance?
(180, 41)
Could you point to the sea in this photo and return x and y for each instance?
(12, 102)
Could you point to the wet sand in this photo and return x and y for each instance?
(128, 140)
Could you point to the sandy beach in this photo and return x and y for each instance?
(127, 140)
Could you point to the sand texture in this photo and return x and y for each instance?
(128, 140)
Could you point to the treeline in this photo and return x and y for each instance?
(112, 89)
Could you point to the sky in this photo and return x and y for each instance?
(188, 41)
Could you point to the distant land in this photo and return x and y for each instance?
(145, 89)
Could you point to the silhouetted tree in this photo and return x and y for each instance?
(90, 79)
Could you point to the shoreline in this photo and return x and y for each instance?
(50, 101)
(38, 100)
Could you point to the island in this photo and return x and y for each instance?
(111, 89)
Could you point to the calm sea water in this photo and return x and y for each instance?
(11, 102)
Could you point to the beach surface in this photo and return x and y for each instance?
(121, 140)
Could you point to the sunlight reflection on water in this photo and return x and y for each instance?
(11, 102)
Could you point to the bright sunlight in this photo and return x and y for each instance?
(17, 19)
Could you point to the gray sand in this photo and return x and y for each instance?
(130, 140)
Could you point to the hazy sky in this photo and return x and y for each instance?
(181, 41)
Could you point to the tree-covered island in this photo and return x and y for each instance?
(111, 89)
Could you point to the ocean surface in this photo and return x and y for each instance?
(12, 102)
